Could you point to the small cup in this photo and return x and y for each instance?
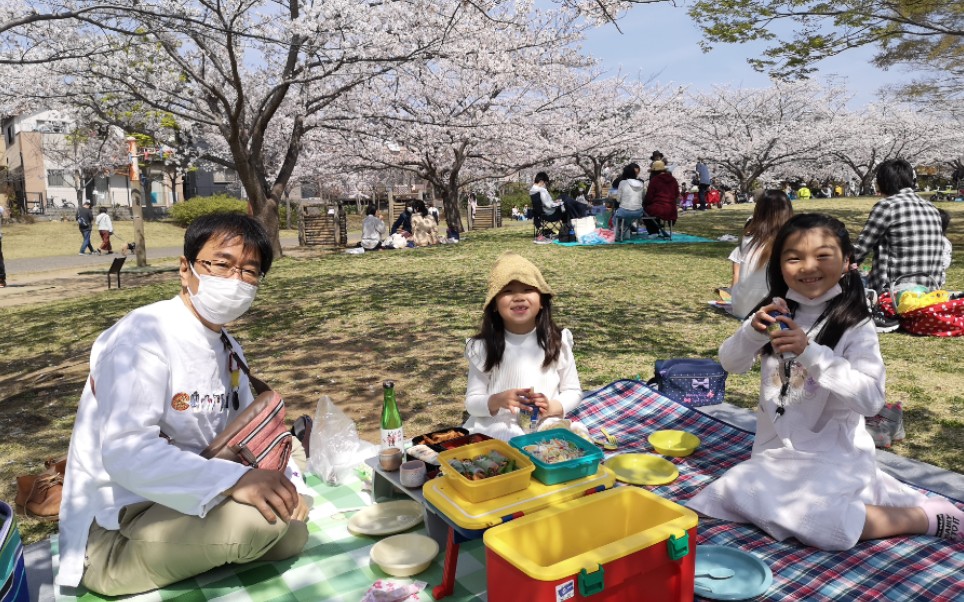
(412, 473)
(390, 459)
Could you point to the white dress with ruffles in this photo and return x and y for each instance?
(814, 469)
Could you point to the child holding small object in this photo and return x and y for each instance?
(813, 473)
(520, 359)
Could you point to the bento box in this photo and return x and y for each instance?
(440, 436)
(552, 473)
(489, 487)
(622, 544)
(428, 452)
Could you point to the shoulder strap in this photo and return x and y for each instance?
(259, 385)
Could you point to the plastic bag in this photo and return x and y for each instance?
(335, 447)
(911, 300)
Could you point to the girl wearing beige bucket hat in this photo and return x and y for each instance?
(520, 359)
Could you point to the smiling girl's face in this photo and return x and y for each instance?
(812, 262)
(519, 305)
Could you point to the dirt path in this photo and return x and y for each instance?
(57, 285)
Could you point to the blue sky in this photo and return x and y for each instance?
(661, 40)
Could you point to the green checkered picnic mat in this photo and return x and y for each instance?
(334, 566)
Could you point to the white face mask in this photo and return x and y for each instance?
(221, 300)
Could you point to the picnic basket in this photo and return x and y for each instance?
(942, 319)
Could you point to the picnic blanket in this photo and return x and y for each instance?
(335, 566)
(904, 568)
(678, 238)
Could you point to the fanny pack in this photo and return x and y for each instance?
(692, 382)
(256, 437)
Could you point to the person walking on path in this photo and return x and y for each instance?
(3, 268)
(704, 180)
(106, 227)
(85, 220)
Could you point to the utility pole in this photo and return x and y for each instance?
(140, 248)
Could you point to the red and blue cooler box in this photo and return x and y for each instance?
(621, 544)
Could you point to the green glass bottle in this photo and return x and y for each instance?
(392, 433)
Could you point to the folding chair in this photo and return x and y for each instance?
(542, 224)
(665, 225)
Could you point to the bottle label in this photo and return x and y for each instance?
(393, 438)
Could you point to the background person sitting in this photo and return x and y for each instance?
(749, 286)
(373, 229)
(424, 227)
(403, 223)
(552, 210)
(629, 194)
(660, 201)
(903, 232)
(803, 193)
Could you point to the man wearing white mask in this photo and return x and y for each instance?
(140, 512)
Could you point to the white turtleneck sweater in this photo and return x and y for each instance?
(521, 367)
(813, 469)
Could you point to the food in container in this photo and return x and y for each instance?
(424, 453)
(484, 466)
(554, 450)
(440, 436)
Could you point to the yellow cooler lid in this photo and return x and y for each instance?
(482, 515)
(592, 531)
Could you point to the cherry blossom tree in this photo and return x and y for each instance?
(862, 139)
(760, 135)
(609, 122)
(463, 118)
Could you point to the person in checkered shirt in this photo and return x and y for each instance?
(903, 232)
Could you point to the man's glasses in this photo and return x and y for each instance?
(223, 269)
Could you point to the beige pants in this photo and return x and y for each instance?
(156, 546)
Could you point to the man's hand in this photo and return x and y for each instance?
(267, 490)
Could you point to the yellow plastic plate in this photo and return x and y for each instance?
(642, 469)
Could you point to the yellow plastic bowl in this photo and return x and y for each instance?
(674, 443)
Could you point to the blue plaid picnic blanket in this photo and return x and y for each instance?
(902, 568)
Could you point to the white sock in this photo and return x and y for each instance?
(944, 519)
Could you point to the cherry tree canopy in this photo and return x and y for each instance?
(240, 74)
(460, 119)
(761, 135)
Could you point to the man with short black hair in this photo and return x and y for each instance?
(140, 510)
(903, 232)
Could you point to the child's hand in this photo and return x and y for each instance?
(762, 318)
(793, 339)
(510, 399)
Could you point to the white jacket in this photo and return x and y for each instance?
(630, 194)
(813, 469)
(157, 369)
(103, 222)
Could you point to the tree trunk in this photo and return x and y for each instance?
(450, 203)
(269, 218)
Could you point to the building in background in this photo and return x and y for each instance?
(51, 165)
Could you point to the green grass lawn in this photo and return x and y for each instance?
(54, 238)
(335, 324)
